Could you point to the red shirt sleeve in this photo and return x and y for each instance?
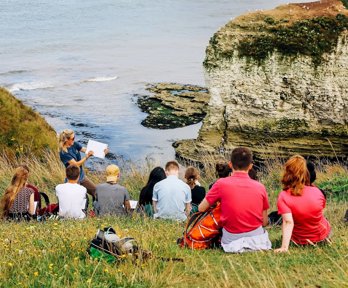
(283, 208)
(265, 200)
(214, 194)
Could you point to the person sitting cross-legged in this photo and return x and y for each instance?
(244, 204)
(172, 196)
(72, 196)
(112, 198)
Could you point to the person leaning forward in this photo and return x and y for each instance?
(244, 204)
(172, 196)
(69, 153)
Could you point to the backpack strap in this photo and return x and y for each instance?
(45, 197)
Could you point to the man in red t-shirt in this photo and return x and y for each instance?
(244, 204)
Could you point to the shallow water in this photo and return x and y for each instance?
(80, 63)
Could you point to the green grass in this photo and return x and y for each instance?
(22, 130)
(53, 253)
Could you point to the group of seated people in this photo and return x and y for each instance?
(244, 200)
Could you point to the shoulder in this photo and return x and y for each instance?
(77, 145)
(27, 191)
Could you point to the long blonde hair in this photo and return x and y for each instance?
(18, 181)
(64, 136)
(296, 175)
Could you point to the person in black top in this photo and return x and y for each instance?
(197, 191)
(145, 199)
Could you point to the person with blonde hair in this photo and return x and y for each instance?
(197, 191)
(17, 202)
(69, 153)
(301, 206)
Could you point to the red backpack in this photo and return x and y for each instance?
(203, 229)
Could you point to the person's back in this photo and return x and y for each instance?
(172, 196)
(244, 204)
(71, 196)
(111, 197)
(310, 225)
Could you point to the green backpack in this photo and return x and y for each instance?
(108, 246)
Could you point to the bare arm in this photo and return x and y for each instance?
(154, 204)
(264, 218)
(287, 227)
(31, 205)
(127, 206)
(187, 209)
(203, 206)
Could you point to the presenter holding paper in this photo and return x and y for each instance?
(69, 153)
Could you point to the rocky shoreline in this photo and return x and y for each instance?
(173, 105)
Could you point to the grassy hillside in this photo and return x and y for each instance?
(53, 253)
(21, 129)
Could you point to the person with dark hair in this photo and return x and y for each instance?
(222, 170)
(17, 203)
(244, 204)
(197, 191)
(171, 197)
(72, 196)
(301, 206)
(145, 199)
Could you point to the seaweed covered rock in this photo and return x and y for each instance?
(278, 83)
(173, 105)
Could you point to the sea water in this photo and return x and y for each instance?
(80, 63)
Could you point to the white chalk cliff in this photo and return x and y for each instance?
(278, 81)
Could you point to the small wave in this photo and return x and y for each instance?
(11, 72)
(102, 79)
(29, 86)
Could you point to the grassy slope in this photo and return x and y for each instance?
(22, 129)
(53, 254)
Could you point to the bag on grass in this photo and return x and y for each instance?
(203, 229)
(109, 246)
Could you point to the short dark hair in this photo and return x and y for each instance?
(311, 170)
(172, 165)
(72, 172)
(241, 158)
(222, 169)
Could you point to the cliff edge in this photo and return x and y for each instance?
(278, 83)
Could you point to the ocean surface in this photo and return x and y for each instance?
(81, 63)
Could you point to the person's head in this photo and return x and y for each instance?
(66, 139)
(18, 181)
(112, 173)
(222, 169)
(312, 173)
(253, 174)
(241, 159)
(72, 172)
(172, 168)
(191, 176)
(157, 174)
(295, 175)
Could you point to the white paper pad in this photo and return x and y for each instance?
(133, 204)
(97, 147)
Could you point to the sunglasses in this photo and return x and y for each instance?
(72, 138)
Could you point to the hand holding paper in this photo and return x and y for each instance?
(98, 148)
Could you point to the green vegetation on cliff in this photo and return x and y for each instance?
(310, 37)
(22, 130)
(307, 29)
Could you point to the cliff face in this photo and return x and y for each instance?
(279, 84)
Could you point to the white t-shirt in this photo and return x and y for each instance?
(72, 199)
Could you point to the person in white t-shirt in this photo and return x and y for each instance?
(71, 195)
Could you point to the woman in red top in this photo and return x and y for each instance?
(301, 207)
